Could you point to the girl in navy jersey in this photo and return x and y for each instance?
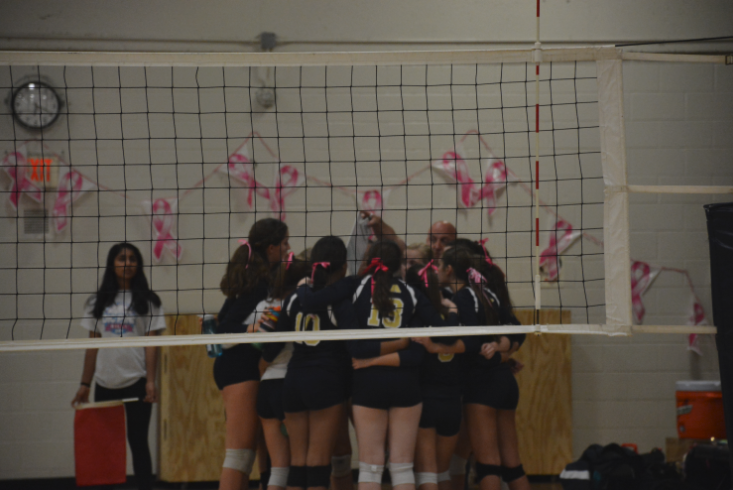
(460, 270)
(316, 383)
(505, 403)
(236, 371)
(440, 382)
(386, 385)
(386, 390)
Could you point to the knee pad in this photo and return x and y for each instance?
(319, 476)
(279, 477)
(445, 476)
(341, 466)
(425, 477)
(457, 465)
(484, 470)
(401, 474)
(240, 460)
(298, 477)
(511, 474)
(370, 473)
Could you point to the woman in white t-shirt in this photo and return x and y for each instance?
(124, 306)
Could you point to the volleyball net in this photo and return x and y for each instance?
(180, 154)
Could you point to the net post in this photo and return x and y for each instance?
(617, 258)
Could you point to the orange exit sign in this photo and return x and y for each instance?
(43, 170)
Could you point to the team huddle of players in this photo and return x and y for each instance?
(420, 406)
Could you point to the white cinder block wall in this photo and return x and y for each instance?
(679, 127)
(679, 130)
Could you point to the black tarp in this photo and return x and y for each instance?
(720, 236)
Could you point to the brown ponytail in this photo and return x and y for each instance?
(389, 254)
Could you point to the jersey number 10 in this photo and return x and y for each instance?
(308, 323)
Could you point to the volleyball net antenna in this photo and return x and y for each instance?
(180, 154)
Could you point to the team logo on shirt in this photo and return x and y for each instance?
(119, 325)
(446, 357)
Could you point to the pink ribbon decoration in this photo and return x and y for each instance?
(16, 166)
(494, 182)
(487, 257)
(376, 265)
(286, 183)
(454, 166)
(162, 214)
(374, 200)
(241, 168)
(549, 257)
(72, 185)
(288, 260)
(243, 242)
(696, 317)
(316, 265)
(642, 275)
(423, 273)
(475, 276)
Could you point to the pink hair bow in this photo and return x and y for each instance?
(475, 276)
(243, 242)
(316, 265)
(423, 273)
(376, 265)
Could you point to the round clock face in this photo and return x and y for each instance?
(36, 105)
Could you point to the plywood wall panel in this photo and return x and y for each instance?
(544, 415)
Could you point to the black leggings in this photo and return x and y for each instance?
(138, 422)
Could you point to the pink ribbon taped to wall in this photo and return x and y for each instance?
(72, 185)
(561, 238)
(16, 166)
(162, 214)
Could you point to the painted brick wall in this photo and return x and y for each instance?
(679, 129)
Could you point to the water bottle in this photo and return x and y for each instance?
(208, 326)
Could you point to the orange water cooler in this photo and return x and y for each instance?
(700, 410)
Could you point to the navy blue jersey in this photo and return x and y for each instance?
(294, 317)
(441, 374)
(409, 304)
(341, 290)
(506, 317)
(236, 310)
(471, 312)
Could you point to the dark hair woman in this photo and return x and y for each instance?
(461, 269)
(440, 382)
(236, 371)
(386, 386)
(124, 306)
(316, 382)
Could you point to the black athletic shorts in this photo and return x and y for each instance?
(384, 389)
(314, 388)
(270, 399)
(237, 365)
(442, 414)
(495, 387)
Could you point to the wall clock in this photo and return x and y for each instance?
(35, 105)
